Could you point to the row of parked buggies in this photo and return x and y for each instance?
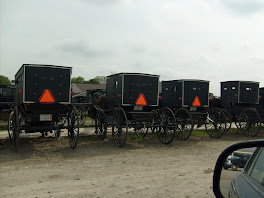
(41, 101)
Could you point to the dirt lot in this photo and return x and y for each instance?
(44, 167)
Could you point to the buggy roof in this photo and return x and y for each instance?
(244, 81)
(7, 86)
(179, 80)
(43, 65)
(135, 74)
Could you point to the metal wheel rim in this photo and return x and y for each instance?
(215, 124)
(100, 128)
(57, 134)
(249, 122)
(166, 125)
(228, 119)
(119, 127)
(185, 124)
(73, 129)
(81, 114)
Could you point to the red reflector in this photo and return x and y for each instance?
(259, 97)
(47, 97)
(20, 91)
(236, 96)
(141, 100)
(160, 98)
(180, 98)
(72, 93)
(119, 96)
(196, 102)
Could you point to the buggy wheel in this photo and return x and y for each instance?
(73, 128)
(11, 121)
(119, 127)
(81, 115)
(14, 128)
(229, 119)
(155, 114)
(215, 124)
(57, 134)
(142, 131)
(249, 122)
(166, 125)
(100, 124)
(185, 123)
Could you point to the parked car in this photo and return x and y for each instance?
(238, 160)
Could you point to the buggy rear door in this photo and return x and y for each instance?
(134, 85)
(249, 93)
(195, 91)
(56, 79)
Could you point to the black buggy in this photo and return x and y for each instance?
(132, 101)
(42, 99)
(240, 101)
(189, 99)
(7, 98)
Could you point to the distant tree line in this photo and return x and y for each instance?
(4, 80)
(96, 80)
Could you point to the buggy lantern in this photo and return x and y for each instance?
(47, 97)
(141, 100)
(196, 102)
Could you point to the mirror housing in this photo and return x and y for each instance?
(223, 156)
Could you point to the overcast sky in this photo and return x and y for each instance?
(215, 40)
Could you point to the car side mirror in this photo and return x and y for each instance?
(230, 164)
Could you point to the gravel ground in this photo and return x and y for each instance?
(44, 167)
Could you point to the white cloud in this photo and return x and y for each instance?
(204, 39)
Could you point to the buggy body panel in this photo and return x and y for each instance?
(7, 97)
(236, 95)
(34, 79)
(261, 94)
(124, 89)
(182, 93)
(7, 93)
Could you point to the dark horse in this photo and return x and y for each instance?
(99, 99)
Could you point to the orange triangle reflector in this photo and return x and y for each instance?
(47, 97)
(196, 102)
(141, 100)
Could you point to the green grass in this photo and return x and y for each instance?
(88, 118)
(199, 133)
